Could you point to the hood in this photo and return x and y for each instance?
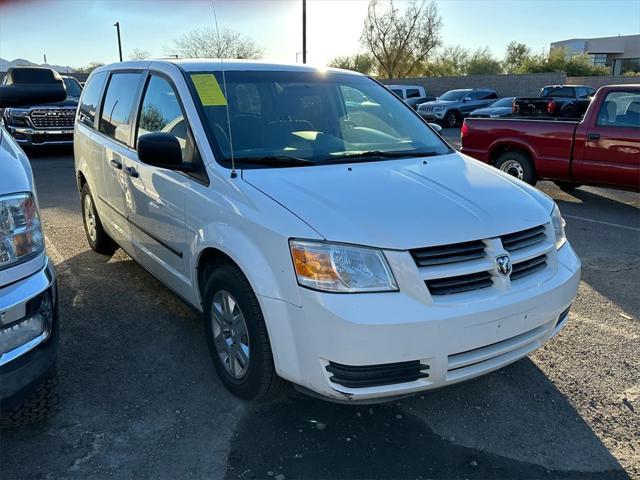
(440, 103)
(14, 165)
(404, 204)
(493, 111)
(68, 102)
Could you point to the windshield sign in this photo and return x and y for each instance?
(307, 118)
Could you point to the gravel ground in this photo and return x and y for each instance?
(139, 396)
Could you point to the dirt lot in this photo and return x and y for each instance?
(140, 397)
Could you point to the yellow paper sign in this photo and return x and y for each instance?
(208, 90)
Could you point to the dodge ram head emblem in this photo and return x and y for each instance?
(503, 263)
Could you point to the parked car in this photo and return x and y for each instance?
(416, 101)
(601, 149)
(407, 91)
(29, 322)
(569, 101)
(322, 245)
(499, 108)
(455, 105)
(41, 124)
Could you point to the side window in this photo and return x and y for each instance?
(91, 98)
(491, 96)
(161, 112)
(582, 92)
(620, 109)
(397, 91)
(117, 110)
(413, 92)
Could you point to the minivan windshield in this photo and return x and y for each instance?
(289, 118)
(453, 95)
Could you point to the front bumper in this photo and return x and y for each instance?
(27, 136)
(457, 341)
(23, 368)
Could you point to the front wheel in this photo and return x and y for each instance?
(237, 335)
(450, 120)
(517, 164)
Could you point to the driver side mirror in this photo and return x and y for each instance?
(466, 99)
(161, 150)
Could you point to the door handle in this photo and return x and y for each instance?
(132, 172)
(593, 137)
(116, 164)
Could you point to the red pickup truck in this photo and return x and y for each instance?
(603, 149)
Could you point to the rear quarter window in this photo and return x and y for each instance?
(90, 99)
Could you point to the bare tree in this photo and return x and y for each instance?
(138, 54)
(205, 43)
(401, 41)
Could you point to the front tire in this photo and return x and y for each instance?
(450, 120)
(237, 335)
(517, 164)
(97, 238)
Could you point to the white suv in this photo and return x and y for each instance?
(344, 247)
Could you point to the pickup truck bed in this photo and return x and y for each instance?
(601, 149)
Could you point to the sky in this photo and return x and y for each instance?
(77, 32)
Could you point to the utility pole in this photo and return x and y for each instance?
(117, 25)
(45, 58)
(304, 31)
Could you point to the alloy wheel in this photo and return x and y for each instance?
(230, 334)
(90, 218)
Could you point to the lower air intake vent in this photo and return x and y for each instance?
(528, 267)
(376, 375)
(459, 284)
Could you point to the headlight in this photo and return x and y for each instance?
(341, 268)
(558, 226)
(21, 235)
(17, 112)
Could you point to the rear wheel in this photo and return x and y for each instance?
(237, 335)
(98, 239)
(517, 164)
(450, 120)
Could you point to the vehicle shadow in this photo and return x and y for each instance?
(610, 255)
(140, 398)
(508, 424)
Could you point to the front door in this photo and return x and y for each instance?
(156, 196)
(612, 143)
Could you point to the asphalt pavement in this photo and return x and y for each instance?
(140, 397)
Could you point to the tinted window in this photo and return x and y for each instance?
(491, 95)
(117, 110)
(620, 109)
(582, 92)
(558, 92)
(413, 92)
(397, 91)
(91, 98)
(161, 112)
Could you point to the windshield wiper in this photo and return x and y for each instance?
(382, 154)
(275, 161)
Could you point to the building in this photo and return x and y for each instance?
(621, 54)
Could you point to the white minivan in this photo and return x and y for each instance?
(343, 247)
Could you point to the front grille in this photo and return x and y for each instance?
(523, 239)
(376, 375)
(459, 284)
(528, 267)
(457, 252)
(53, 118)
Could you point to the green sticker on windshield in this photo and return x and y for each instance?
(208, 90)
